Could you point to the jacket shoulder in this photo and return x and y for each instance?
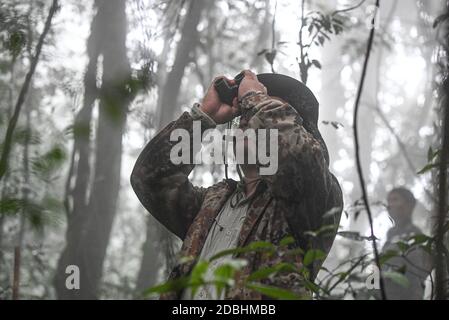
(220, 187)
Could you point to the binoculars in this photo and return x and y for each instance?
(228, 92)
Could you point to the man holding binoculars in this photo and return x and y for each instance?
(302, 195)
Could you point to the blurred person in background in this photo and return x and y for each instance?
(414, 264)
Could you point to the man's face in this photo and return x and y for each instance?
(398, 207)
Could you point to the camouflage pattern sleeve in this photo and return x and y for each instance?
(303, 178)
(163, 187)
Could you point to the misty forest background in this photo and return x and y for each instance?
(110, 73)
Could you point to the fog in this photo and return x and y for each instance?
(111, 74)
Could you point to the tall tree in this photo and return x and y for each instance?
(184, 51)
(7, 144)
(76, 196)
(93, 213)
(441, 259)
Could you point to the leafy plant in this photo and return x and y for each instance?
(320, 27)
(432, 160)
(224, 276)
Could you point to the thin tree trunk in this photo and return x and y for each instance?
(23, 92)
(151, 263)
(22, 221)
(189, 34)
(90, 243)
(16, 274)
(76, 198)
(26, 168)
(263, 40)
(441, 255)
(4, 183)
(114, 102)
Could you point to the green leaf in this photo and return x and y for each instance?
(46, 165)
(324, 230)
(273, 292)
(227, 252)
(294, 252)
(397, 277)
(384, 257)
(420, 238)
(270, 56)
(316, 63)
(353, 235)
(429, 154)
(402, 246)
(256, 246)
(262, 273)
(428, 167)
(327, 229)
(197, 275)
(10, 206)
(321, 40)
(266, 272)
(169, 286)
(199, 270)
(439, 19)
(286, 241)
(39, 214)
(24, 136)
(224, 274)
(311, 286)
(17, 41)
(312, 255)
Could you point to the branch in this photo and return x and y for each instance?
(357, 149)
(352, 268)
(23, 92)
(302, 68)
(442, 199)
(403, 150)
(273, 36)
(348, 9)
(441, 253)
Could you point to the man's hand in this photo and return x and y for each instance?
(250, 83)
(212, 105)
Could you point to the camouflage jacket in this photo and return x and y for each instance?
(292, 201)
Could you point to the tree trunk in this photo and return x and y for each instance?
(86, 246)
(441, 260)
(151, 263)
(263, 40)
(76, 197)
(7, 144)
(189, 34)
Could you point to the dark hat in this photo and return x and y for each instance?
(299, 96)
